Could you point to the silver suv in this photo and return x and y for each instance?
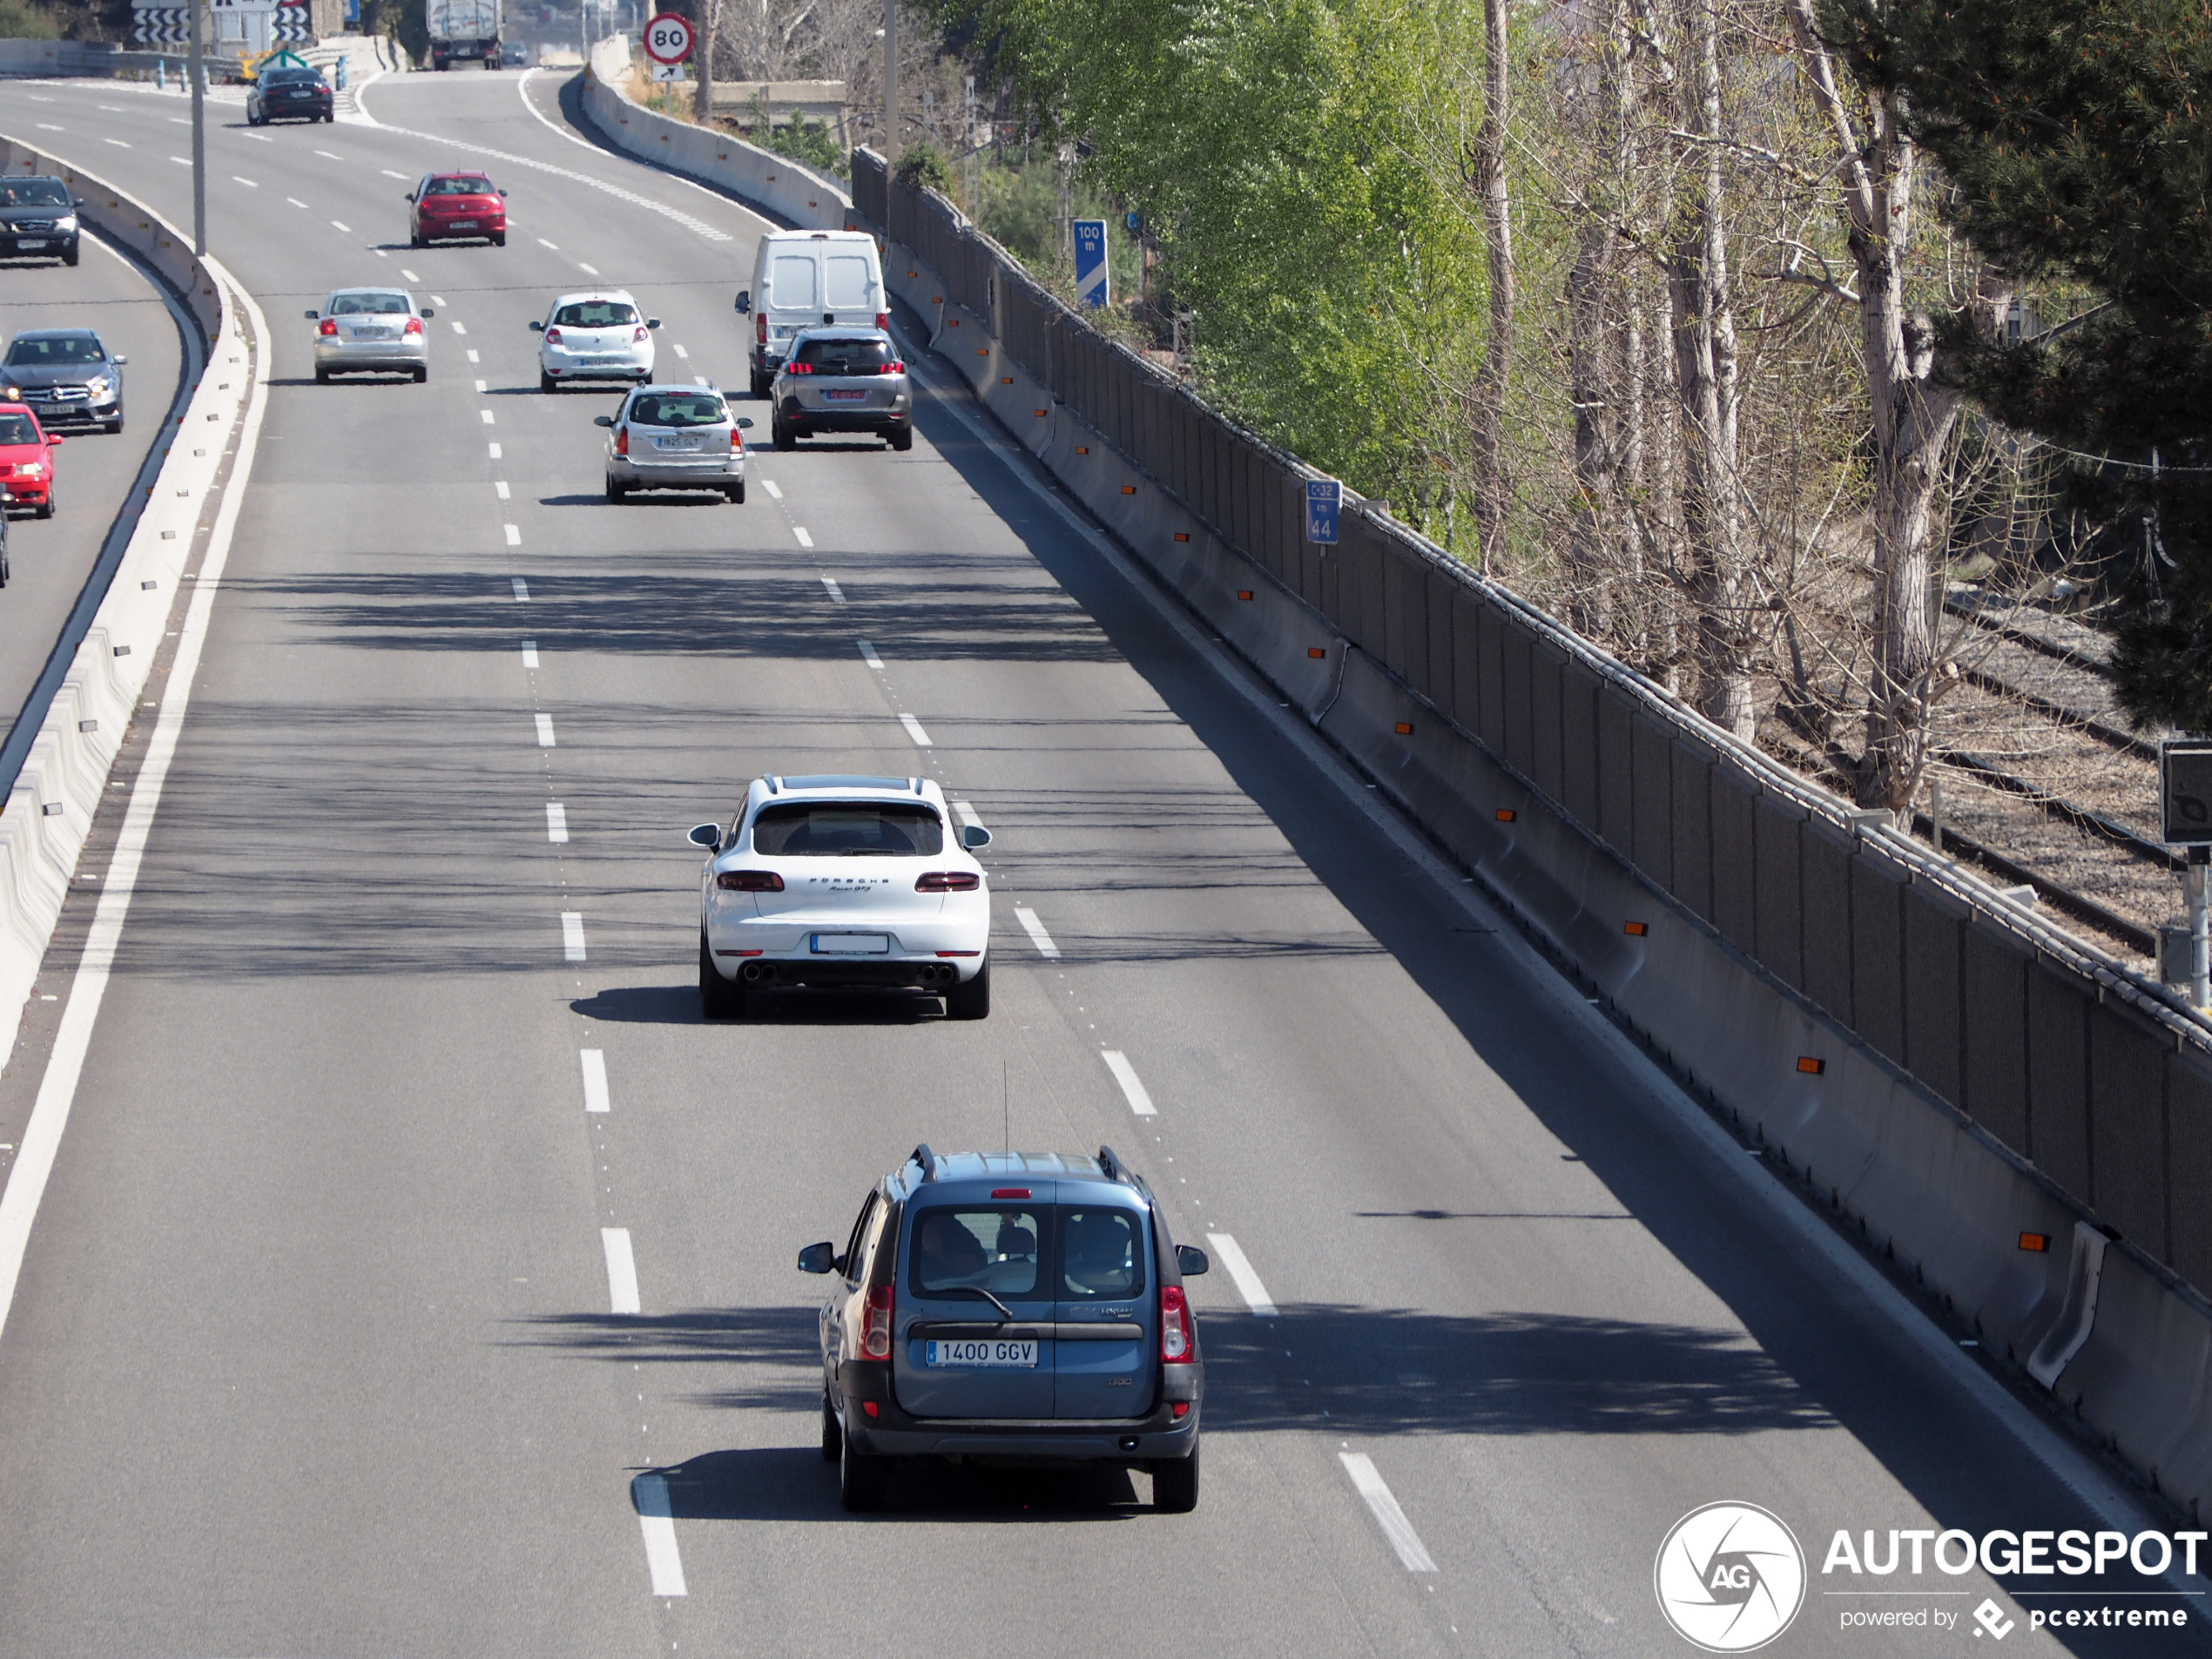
(842, 380)
(674, 437)
(1024, 1306)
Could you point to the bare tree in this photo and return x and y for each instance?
(1485, 172)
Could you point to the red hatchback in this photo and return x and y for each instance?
(26, 460)
(450, 206)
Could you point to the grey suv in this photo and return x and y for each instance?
(1020, 1306)
(842, 380)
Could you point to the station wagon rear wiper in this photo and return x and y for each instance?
(976, 1290)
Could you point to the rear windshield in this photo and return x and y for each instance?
(290, 76)
(848, 829)
(677, 409)
(844, 356)
(44, 354)
(33, 193)
(459, 187)
(594, 314)
(370, 305)
(17, 429)
(790, 282)
(1064, 1253)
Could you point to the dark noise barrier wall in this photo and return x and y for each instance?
(1937, 1063)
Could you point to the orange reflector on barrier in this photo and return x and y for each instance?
(984, 351)
(1040, 414)
(1006, 380)
(1182, 535)
(2041, 1243)
(1811, 1067)
(1405, 728)
(1128, 489)
(1244, 593)
(952, 322)
(1082, 448)
(1505, 815)
(1635, 929)
(1315, 650)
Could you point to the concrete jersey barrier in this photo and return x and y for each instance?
(50, 807)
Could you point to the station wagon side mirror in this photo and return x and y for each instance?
(314, 315)
(746, 421)
(652, 322)
(818, 1258)
(609, 420)
(974, 837)
(744, 299)
(1190, 1261)
(706, 835)
(538, 328)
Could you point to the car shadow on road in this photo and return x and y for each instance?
(679, 1005)
(793, 1483)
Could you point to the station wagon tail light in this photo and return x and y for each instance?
(414, 326)
(622, 440)
(552, 336)
(329, 328)
(749, 881)
(737, 441)
(1175, 1347)
(948, 881)
(875, 1325)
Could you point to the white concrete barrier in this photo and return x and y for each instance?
(50, 807)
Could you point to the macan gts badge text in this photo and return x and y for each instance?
(1730, 1577)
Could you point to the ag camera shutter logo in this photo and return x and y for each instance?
(1730, 1577)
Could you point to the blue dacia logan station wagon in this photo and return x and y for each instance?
(1026, 1308)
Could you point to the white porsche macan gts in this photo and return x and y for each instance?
(841, 881)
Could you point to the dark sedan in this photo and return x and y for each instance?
(64, 375)
(289, 95)
(37, 218)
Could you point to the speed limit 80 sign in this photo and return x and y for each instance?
(668, 38)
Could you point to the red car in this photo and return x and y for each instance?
(26, 460)
(450, 206)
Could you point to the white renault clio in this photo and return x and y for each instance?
(844, 881)
(596, 336)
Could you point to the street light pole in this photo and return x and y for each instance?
(199, 130)
(890, 81)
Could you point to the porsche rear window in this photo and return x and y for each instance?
(16, 428)
(594, 314)
(848, 829)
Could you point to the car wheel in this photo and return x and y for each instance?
(781, 436)
(971, 999)
(500, 240)
(832, 1433)
(69, 255)
(760, 384)
(545, 381)
(46, 507)
(323, 377)
(421, 376)
(903, 439)
(4, 570)
(116, 425)
(859, 1477)
(614, 490)
(414, 238)
(718, 998)
(737, 494)
(1175, 1484)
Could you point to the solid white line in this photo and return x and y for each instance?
(522, 588)
(966, 813)
(1387, 1514)
(622, 1269)
(836, 593)
(805, 540)
(867, 654)
(408, 274)
(339, 225)
(914, 730)
(586, 269)
(529, 653)
(501, 486)
(596, 1098)
(1240, 1272)
(545, 731)
(572, 935)
(769, 484)
(1034, 929)
(41, 1137)
(556, 823)
(513, 536)
(648, 1495)
(1133, 1089)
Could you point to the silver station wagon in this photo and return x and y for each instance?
(675, 438)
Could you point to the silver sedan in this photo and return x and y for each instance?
(371, 331)
(674, 437)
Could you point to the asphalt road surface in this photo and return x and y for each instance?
(313, 1350)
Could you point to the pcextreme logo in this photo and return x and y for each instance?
(1730, 1577)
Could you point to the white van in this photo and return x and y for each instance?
(806, 279)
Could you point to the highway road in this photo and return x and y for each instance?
(95, 471)
(314, 1349)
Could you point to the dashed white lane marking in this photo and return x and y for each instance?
(499, 484)
(698, 380)
(555, 246)
(48, 126)
(649, 1495)
(769, 484)
(572, 947)
(258, 138)
(556, 823)
(522, 588)
(1240, 1274)
(836, 593)
(966, 813)
(174, 120)
(545, 731)
(437, 299)
(685, 355)
(587, 269)
(295, 200)
(1034, 929)
(408, 274)
(867, 654)
(914, 730)
(621, 1271)
(185, 161)
(1133, 1090)
(481, 386)
(805, 540)
(117, 143)
(326, 156)
(596, 1098)
(388, 172)
(472, 353)
(380, 253)
(341, 225)
(486, 415)
(458, 327)
(529, 653)
(495, 452)
(241, 179)
(513, 536)
(1403, 1539)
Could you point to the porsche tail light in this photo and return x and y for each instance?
(749, 881)
(948, 881)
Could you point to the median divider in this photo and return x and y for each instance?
(52, 798)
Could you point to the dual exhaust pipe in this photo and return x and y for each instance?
(941, 976)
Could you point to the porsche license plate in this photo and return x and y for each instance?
(851, 944)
